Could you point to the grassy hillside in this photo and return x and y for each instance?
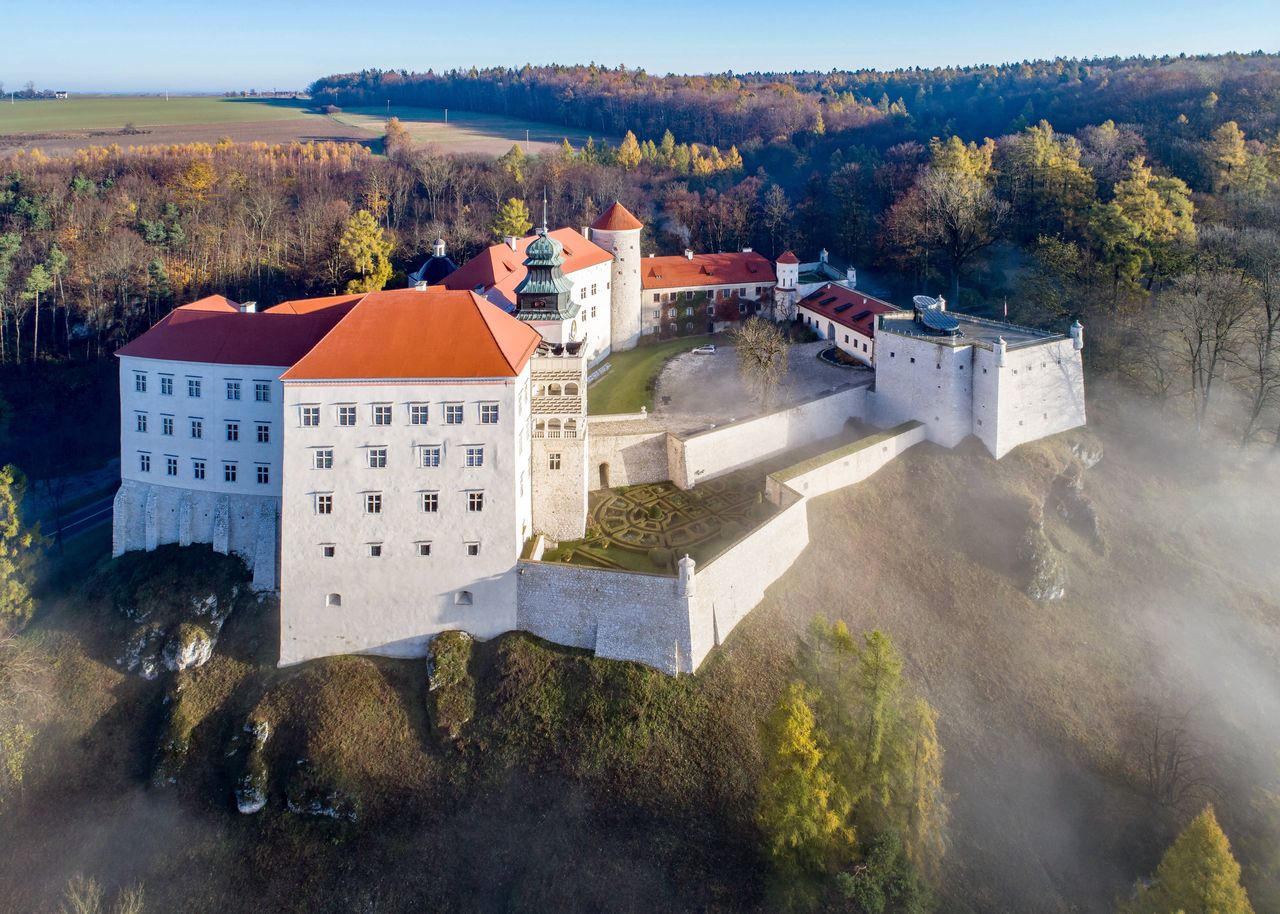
(465, 131)
(538, 778)
(111, 112)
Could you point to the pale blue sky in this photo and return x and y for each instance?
(152, 45)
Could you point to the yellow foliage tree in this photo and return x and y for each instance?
(1198, 875)
(20, 548)
(367, 250)
(629, 155)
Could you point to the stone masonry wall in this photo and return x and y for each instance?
(630, 458)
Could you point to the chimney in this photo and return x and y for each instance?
(586, 232)
(822, 255)
(511, 241)
(248, 307)
(688, 254)
(746, 250)
(420, 286)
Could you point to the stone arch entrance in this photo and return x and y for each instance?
(604, 476)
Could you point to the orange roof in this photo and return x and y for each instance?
(404, 333)
(846, 307)
(307, 305)
(788, 257)
(497, 270)
(705, 270)
(214, 330)
(617, 218)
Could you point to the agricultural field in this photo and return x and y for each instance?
(61, 126)
(466, 131)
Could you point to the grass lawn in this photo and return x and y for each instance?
(628, 384)
(111, 112)
(466, 131)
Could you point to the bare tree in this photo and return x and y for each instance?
(1207, 311)
(1170, 764)
(762, 357)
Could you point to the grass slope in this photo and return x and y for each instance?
(629, 382)
(111, 112)
(466, 131)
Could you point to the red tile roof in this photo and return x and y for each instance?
(307, 305)
(788, 257)
(497, 270)
(677, 272)
(860, 315)
(214, 330)
(617, 218)
(405, 333)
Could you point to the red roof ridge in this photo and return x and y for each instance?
(788, 257)
(211, 303)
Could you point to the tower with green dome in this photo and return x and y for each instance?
(544, 293)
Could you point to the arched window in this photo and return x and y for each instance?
(553, 390)
(571, 390)
(333, 599)
(539, 429)
(570, 428)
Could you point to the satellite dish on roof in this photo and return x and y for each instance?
(925, 302)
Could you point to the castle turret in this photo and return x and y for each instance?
(785, 294)
(618, 232)
(1077, 336)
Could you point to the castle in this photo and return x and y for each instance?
(393, 463)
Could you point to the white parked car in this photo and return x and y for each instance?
(708, 349)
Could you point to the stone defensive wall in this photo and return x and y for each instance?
(670, 622)
(147, 516)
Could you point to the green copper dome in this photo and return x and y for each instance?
(544, 293)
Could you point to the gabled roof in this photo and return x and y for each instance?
(405, 333)
(847, 307)
(788, 257)
(213, 330)
(307, 305)
(497, 270)
(705, 270)
(617, 218)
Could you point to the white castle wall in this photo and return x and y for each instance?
(920, 379)
(624, 285)
(715, 452)
(844, 466)
(1039, 391)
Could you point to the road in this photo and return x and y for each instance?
(85, 518)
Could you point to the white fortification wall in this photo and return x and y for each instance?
(1039, 391)
(920, 379)
(717, 451)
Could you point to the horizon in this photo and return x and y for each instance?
(286, 52)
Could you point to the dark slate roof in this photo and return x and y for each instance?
(433, 271)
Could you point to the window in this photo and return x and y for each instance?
(373, 503)
(229, 472)
(264, 433)
(475, 456)
(375, 550)
(473, 548)
(488, 413)
(656, 314)
(142, 422)
(346, 415)
(593, 288)
(140, 382)
(171, 466)
(553, 461)
(197, 428)
(431, 455)
(233, 390)
(418, 413)
(193, 387)
(382, 414)
(144, 463)
(475, 501)
(333, 599)
(593, 311)
(462, 597)
(262, 391)
(431, 502)
(688, 296)
(197, 469)
(424, 549)
(453, 414)
(328, 550)
(324, 503)
(166, 425)
(264, 474)
(377, 458)
(322, 458)
(166, 385)
(233, 431)
(310, 416)
(582, 293)
(657, 297)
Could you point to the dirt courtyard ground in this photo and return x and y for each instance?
(695, 391)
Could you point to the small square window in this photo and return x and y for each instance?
(475, 456)
(375, 550)
(322, 458)
(333, 599)
(197, 428)
(328, 550)
(431, 455)
(424, 549)
(431, 502)
(475, 501)
(346, 415)
(324, 503)
(310, 416)
(418, 413)
(488, 413)
(453, 414)
(373, 503)
(473, 548)
(264, 433)
(233, 431)
(262, 391)
(197, 469)
(553, 461)
(377, 457)
(193, 388)
(264, 474)
(233, 390)
(382, 414)
(166, 386)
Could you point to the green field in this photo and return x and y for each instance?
(465, 128)
(628, 384)
(111, 112)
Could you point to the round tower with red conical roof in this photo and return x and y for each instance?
(618, 232)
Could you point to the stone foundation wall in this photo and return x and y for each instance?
(628, 458)
(146, 516)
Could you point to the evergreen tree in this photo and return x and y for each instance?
(629, 155)
(514, 161)
(1198, 875)
(367, 251)
(1226, 155)
(513, 220)
(20, 548)
(668, 147)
